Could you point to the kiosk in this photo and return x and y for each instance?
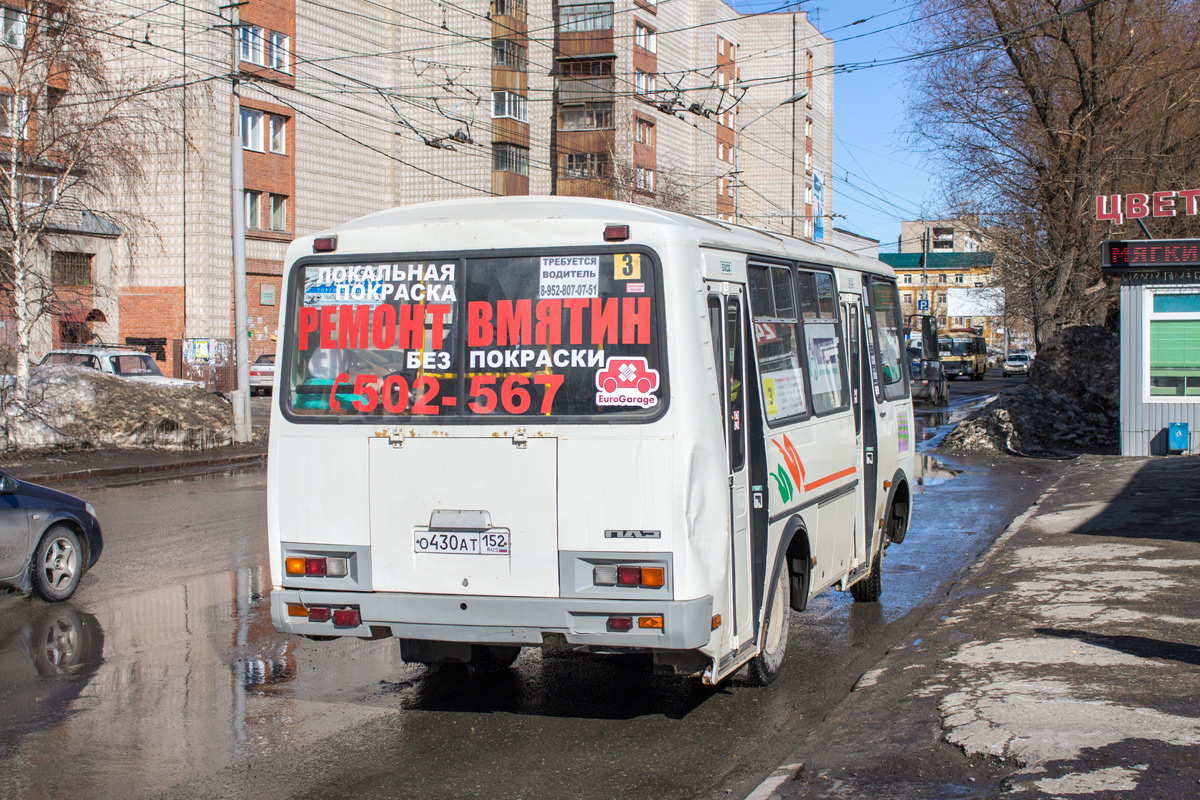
(1160, 343)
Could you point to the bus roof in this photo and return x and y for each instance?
(516, 211)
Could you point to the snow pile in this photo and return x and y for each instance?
(1069, 404)
(74, 406)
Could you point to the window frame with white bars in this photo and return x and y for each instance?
(510, 105)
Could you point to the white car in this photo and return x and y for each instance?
(1017, 364)
(262, 374)
(125, 363)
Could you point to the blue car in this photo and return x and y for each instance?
(48, 539)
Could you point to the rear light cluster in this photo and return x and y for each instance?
(627, 575)
(348, 617)
(317, 567)
(620, 624)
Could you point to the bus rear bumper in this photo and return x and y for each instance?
(686, 624)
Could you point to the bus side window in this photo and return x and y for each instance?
(885, 314)
(737, 395)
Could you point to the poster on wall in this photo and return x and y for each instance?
(818, 205)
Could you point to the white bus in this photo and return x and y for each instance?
(581, 424)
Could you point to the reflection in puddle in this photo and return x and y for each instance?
(47, 656)
(193, 679)
(931, 472)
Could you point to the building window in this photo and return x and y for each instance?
(278, 47)
(808, 70)
(808, 127)
(1174, 341)
(958, 278)
(252, 44)
(907, 279)
(586, 68)
(510, 158)
(252, 129)
(10, 118)
(808, 160)
(509, 54)
(588, 17)
(943, 278)
(644, 83)
(71, 269)
(12, 26)
(587, 165)
(253, 209)
(586, 117)
(279, 212)
(643, 131)
(278, 133)
(943, 238)
(644, 37)
(37, 190)
(510, 105)
(511, 8)
(644, 178)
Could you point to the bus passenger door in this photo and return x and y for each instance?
(727, 325)
(859, 377)
(863, 341)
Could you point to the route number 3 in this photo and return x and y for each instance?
(627, 267)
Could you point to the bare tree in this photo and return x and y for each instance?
(1037, 107)
(71, 133)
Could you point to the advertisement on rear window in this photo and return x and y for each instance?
(461, 339)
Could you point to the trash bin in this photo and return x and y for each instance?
(1177, 437)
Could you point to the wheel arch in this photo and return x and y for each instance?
(794, 554)
(899, 506)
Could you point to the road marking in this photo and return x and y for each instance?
(782, 775)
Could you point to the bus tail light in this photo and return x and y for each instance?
(650, 622)
(629, 575)
(297, 610)
(620, 624)
(319, 613)
(317, 566)
(347, 617)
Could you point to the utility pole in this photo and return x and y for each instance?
(242, 432)
(924, 267)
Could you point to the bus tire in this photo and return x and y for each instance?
(492, 657)
(869, 589)
(764, 667)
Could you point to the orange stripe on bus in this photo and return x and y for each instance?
(828, 478)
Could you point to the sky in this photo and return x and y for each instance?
(878, 178)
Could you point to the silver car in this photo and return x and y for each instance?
(262, 374)
(122, 362)
(1017, 364)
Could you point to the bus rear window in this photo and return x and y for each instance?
(462, 339)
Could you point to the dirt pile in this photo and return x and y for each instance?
(1069, 404)
(80, 407)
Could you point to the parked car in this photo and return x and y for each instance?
(1017, 364)
(262, 374)
(48, 539)
(125, 363)
(929, 381)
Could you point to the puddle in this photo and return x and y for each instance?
(168, 478)
(931, 472)
(47, 657)
(177, 682)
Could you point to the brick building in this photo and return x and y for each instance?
(354, 107)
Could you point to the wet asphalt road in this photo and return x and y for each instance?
(163, 676)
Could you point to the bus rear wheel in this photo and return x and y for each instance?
(764, 667)
(869, 589)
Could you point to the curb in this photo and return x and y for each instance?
(246, 459)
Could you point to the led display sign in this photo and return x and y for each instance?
(1149, 254)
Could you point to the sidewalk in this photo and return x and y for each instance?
(1066, 663)
(75, 465)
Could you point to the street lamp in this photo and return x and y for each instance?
(737, 187)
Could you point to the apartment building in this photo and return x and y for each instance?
(352, 107)
(953, 281)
